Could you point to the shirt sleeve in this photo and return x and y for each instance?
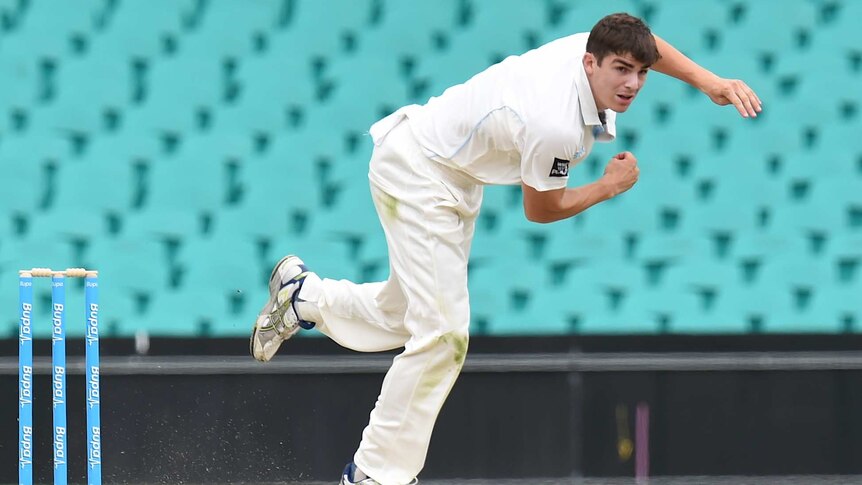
(546, 154)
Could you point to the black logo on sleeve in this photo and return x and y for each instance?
(560, 168)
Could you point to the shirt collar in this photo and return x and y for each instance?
(589, 112)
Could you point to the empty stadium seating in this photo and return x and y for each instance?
(182, 147)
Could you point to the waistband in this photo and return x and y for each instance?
(397, 126)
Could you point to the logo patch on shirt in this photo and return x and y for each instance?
(560, 168)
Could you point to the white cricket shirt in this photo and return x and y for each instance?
(528, 118)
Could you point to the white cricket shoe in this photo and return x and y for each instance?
(347, 477)
(279, 320)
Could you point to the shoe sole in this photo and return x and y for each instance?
(274, 287)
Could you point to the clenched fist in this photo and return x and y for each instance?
(621, 173)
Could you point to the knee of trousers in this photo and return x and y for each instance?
(450, 348)
(458, 341)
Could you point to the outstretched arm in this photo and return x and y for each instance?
(721, 91)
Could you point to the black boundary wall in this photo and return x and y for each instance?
(196, 410)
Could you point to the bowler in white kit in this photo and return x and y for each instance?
(528, 120)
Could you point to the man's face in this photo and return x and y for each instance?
(615, 82)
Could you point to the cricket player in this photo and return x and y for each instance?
(528, 120)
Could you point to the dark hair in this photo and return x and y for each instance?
(621, 33)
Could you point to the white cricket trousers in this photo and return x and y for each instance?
(428, 213)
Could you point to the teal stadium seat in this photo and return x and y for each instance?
(796, 102)
(104, 188)
(514, 244)
(144, 30)
(183, 195)
(235, 29)
(573, 306)
(541, 314)
(699, 283)
(659, 149)
(320, 30)
(698, 33)
(751, 308)
(747, 309)
(499, 285)
(353, 214)
(274, 94)
(500, 28)
(70, 24)
(182, 94)
(228, 273)
(191, 181)
(221, 146)
(26, 164)
(257, 224)
(608, 298)
(557, 290)
(67, 224)
(125, 147)
(9, 7)
(846, 200)
(22, 78)
(751, 199)
(662, 250)
(841, 32)
(749, 149)
(799, 284)
(756, 247)
(271, 195)
(353, 222)
(840, 149)
(836, 308)
(844, 254)
(623, 215)
(666, 260)
(287, 180)
(805, 172)
(533, 242)
(373, 86)
(571, 245)
(225, 264)
(410, 29)
(754, 30)
(172, 313)
(816, 217)
(131, 272)
(498, 202)
(91, 95)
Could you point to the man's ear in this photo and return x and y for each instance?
(589, 63)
